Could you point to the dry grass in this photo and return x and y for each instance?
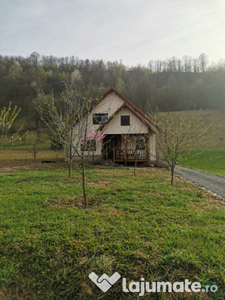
(15, 159)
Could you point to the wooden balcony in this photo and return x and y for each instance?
(130, 155)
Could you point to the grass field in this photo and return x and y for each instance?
(138, 226)
(211, 161)
(209, 157)
(217, 119)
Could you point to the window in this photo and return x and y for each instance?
(140, 145)
(99, 118)
(89, 145)
(125, 120)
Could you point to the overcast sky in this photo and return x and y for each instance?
(134, 31)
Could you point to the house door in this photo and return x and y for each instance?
(111, 142)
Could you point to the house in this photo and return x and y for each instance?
(122, 132)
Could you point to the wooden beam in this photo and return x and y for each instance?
(103, 152)
(125, 137)
(148, 149)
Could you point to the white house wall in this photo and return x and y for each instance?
(153, 148)
(109, 105)
(136, 126)
(98, 148)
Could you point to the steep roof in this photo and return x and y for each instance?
(130, 106)
(125, 105)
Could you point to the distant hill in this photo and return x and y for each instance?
(171, 85)
(217, 118)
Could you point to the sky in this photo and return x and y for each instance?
(131, 31)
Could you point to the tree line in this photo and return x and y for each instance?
(170, 85)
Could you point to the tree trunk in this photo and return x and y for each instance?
(172, 175)
(83, 182)
(93, 159)
(135, 163)
(35, 155)
(70, 167)
(70, 161)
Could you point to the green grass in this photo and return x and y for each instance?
(17, 142)
(211, 161)
(138, 226)
(217, 119)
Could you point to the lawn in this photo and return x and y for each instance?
(211, 161)
(138, 226)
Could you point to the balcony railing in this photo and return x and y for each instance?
(129, 155)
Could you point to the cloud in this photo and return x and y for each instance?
(134, 31)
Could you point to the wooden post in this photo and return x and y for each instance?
(103, 153)
(125, 137)
(114, 155)
(148, 149)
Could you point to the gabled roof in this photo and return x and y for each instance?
(130, 106)
(141, 118)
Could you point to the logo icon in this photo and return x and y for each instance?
(104, 282)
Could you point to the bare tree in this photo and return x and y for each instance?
(139, 145)
(70, 126)
(61, 121)
(7, 118)
(203, 62)
(34, 142)
(178, 135)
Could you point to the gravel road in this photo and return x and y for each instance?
(210, 182)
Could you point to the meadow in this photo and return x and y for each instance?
(138, 226)
(214, 119)
(211, 161)
(209, 157)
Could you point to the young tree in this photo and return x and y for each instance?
(60, 116)
(7, 118)
(69, 125)
(96, 136)
(178, 135)
(140, 145)
(85, 142)
(34, 143)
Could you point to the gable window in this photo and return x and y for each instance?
(89, 145)
(99, 118)
(125, 120)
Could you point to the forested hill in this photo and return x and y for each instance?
(173, 84)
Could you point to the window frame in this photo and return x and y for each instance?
(121, 123)
(101, 115)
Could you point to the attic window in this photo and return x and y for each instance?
(125, 120)
(99, 118)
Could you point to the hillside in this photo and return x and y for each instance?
(171, 85)
(217, 119)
